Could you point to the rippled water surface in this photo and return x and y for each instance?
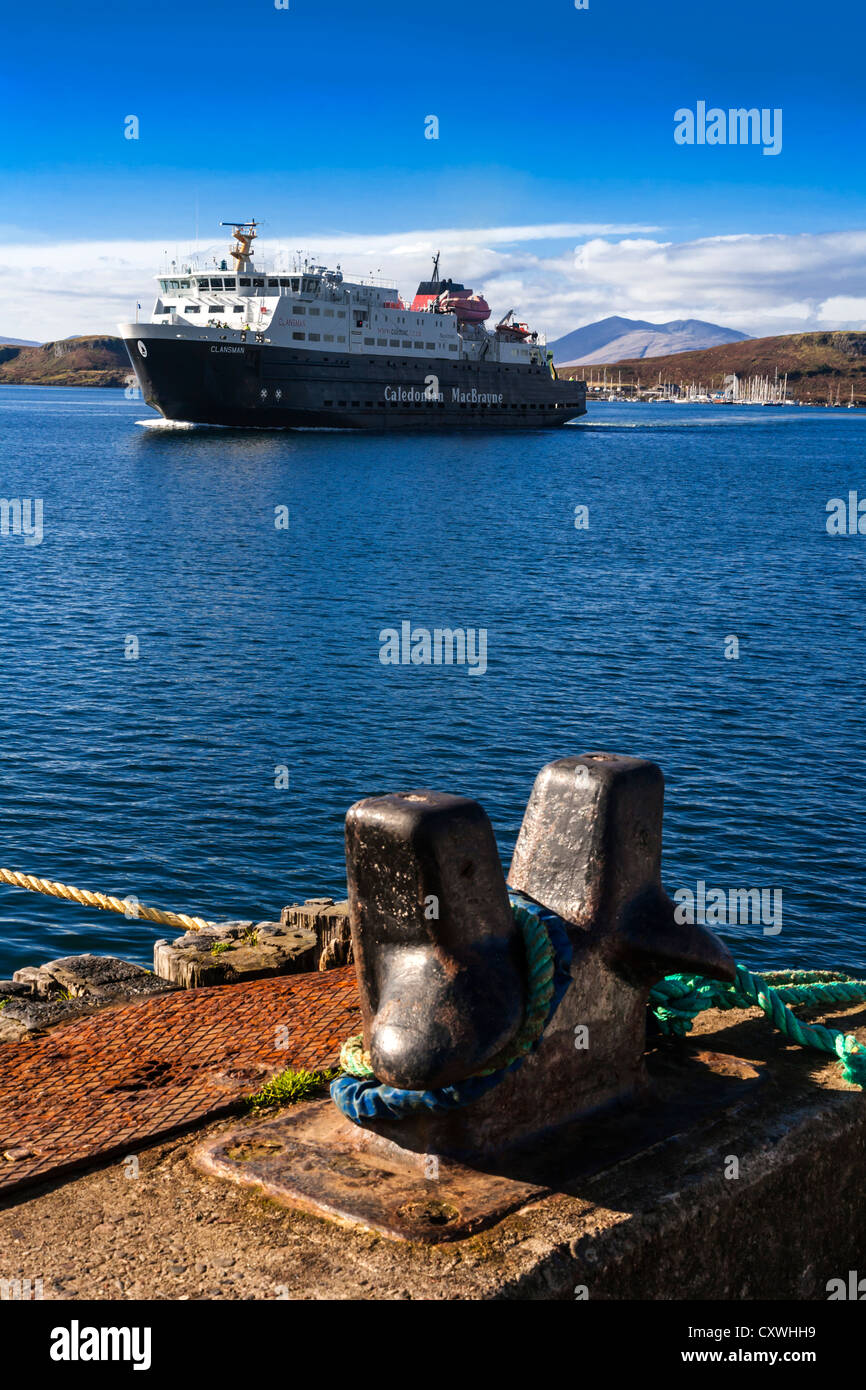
(259, 649)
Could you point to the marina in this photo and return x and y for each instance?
(756, 390)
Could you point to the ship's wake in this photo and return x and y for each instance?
(161, 424)
(170, 425)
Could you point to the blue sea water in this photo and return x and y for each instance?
(259, 650)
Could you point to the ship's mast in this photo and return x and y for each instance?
(244, 234)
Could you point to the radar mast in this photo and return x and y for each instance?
(244, 234)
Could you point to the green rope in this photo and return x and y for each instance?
(677, 1000)
(539, 989)
(354, 1061)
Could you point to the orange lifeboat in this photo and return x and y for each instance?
(469, 307)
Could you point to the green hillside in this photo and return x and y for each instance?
(814, 363)
(91, 361)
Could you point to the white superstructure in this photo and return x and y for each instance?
(315, 309)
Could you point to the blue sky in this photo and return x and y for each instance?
(313, 119)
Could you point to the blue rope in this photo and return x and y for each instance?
(368, 1099)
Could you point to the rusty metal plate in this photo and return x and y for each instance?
(106, 1085)
(314, 1159)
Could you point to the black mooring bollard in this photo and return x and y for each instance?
(442, 967)
(441, 996)
(437, 953)
(590, 849)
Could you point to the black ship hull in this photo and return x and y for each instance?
(264, 386)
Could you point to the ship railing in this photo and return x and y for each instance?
(375, 280)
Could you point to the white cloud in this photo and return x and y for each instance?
(761, 284)
(844, 308)
(558, 275)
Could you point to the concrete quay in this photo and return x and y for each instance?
(649, 1213)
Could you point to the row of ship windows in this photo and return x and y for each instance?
(370, 342)
(524, 371)
(317, 337)
(240, 309)
(197, 308)
(380, 362)
(397, 342)
(256, 282)
(375, 342)
(467, 405)
(328, 313)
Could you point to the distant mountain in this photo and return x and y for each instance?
(90, 361)
(817, 365)
(17, 342)
(615, 339)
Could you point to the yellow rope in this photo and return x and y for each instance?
(129, 907)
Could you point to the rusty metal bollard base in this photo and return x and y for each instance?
(313, 1159)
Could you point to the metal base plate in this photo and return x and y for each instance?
(312, 1158)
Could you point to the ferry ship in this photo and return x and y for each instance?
(239, 345)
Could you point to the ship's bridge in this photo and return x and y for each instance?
(216, 297)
